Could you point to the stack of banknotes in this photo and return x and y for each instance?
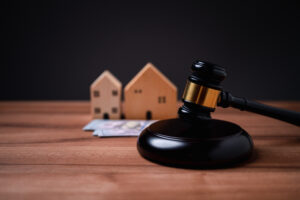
(117, 128)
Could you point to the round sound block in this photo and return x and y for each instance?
(195, 144)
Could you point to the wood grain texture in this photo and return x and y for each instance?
(44, 154)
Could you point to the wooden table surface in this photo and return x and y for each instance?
(44, 154)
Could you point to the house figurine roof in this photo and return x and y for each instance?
(107, 75)
(149, 67)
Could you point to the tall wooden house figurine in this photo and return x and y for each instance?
(106, 97)
(150, 95)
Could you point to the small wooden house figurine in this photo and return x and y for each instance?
(150, 95)
(106, 97)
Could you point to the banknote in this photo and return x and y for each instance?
(117, 128)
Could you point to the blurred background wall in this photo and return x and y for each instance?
(55, 49)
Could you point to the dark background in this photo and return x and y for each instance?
(55, 49)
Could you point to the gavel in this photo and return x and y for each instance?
(203, 92)
(194, 139)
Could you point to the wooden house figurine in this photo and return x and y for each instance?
(106, 97)
(150, 95)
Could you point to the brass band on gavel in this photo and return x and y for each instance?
(201, 95)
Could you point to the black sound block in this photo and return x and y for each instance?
(195, 144)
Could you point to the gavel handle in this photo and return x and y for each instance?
(228, 100)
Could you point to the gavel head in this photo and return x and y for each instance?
(202, 90)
